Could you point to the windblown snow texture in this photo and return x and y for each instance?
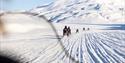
(84, 11)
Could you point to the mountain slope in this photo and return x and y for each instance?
(83, 11)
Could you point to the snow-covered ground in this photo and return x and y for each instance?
(84, 11)
(32, 42)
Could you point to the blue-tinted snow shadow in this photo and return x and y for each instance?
(109, 26)
(115, 27)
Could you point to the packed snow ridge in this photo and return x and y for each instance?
(84, 11)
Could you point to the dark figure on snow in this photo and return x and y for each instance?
(65, 31)
(77, 30)
(83, 29)
(68, 31)
(88, 29)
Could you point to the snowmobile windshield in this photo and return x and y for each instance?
(31, 35)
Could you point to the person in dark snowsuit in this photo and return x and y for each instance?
(68, 31)
(83, 29)
(88, 29)
(65, 31)
(77, 30)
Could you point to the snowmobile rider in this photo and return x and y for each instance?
(65, 31)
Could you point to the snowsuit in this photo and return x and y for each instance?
(68, 31)
(88, 29)
(77, 30)
(65, 31)
(83, 29)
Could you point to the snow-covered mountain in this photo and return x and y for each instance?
(84, 11)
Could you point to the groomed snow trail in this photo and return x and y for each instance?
(84, 47)
(90, 47)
